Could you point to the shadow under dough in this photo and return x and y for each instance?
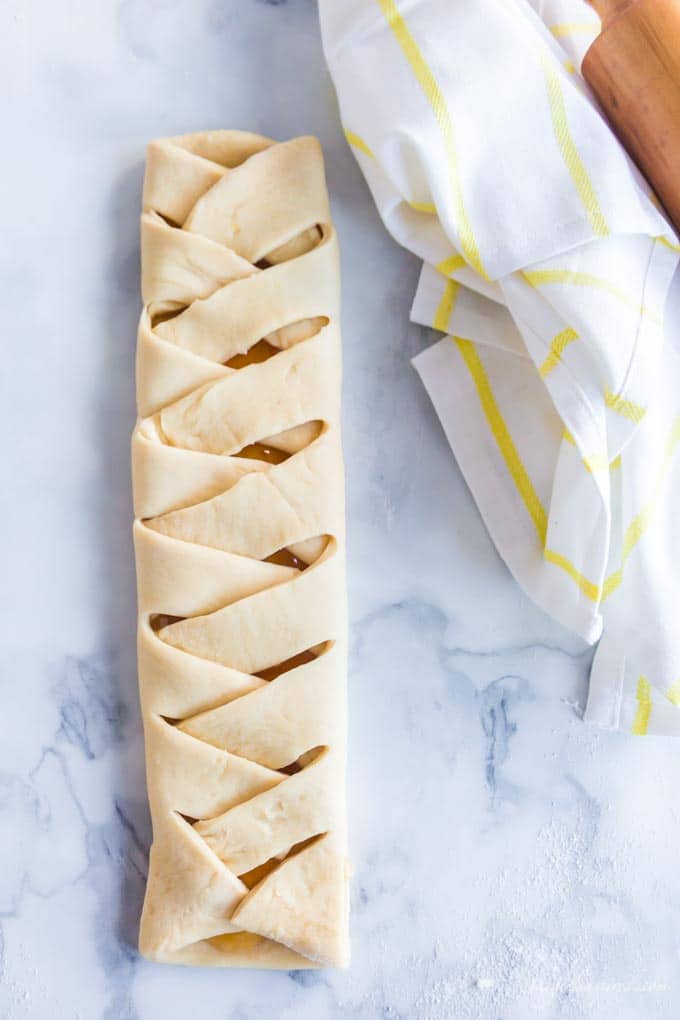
(114, 418)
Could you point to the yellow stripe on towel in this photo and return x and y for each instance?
(589, 588)
(644, 709)
(437, 101)
(358, 143)
(568, 150)
(673, 693)
(545, 277)
(640, 522)
(443, 314)
(626, 408)
(667, 244)
(424, 207)
(566, 28)
(504, 440)
(557, 346)
(596, 461)
(451, 264)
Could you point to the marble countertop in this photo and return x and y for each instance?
(508, 860)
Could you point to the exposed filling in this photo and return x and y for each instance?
(251, 878)
(271, 672)
(258, 451)
(166, 315)
(159, 620)
(258, 353)
(287, 558)
(298, 245)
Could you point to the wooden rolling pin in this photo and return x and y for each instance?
(633, 67)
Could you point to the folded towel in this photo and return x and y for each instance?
(549, 265)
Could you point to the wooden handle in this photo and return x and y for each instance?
(607, 9)
(633, 67)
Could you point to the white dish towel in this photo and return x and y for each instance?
(548, 264)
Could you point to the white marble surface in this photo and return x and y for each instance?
(509, 861)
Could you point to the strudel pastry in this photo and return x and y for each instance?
(239, 541)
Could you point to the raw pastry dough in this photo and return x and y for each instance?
(239, 539)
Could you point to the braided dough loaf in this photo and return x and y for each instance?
(239, 540)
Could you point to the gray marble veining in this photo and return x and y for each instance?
(508, 861)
